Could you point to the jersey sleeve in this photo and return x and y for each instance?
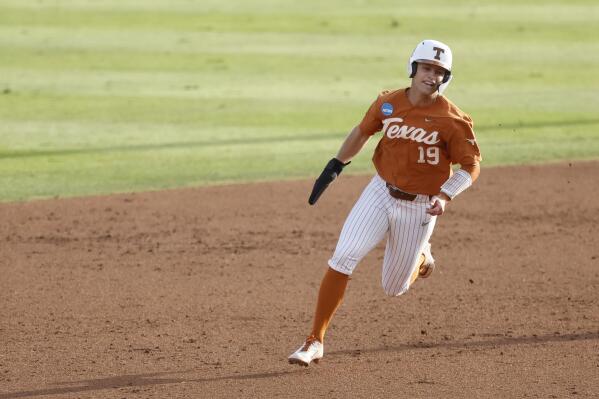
(372, 122)
(462, 146)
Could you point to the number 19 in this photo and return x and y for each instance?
(430, 156)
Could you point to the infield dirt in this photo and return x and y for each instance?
(205, 292)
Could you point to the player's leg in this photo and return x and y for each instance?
(416, 273)
(330, 296)
(332, 289)
(364, 228)
(409, 232)
(425, 264)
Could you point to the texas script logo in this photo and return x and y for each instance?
(408, 132)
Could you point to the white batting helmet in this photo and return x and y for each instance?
(432, 52)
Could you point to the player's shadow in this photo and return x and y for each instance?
(448, 343)
(150, 379)
(134, 381)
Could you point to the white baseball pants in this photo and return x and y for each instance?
(376, 214)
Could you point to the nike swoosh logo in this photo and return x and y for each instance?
(427, 119)
(425, 223)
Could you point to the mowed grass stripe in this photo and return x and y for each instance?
(161, 110)
(43, 139)
(483, 19)
(481, 63)
(269, 6)
(524, 41)
(82, 174)
(473, 62)
(207, 88)
(207, 113)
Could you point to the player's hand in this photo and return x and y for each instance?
(437, 206)
(330, 173)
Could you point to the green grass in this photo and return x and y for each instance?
(117, 96)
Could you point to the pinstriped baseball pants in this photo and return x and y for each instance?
(376, 214)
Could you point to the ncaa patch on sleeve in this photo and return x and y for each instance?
(387, 109)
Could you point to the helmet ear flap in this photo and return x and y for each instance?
(446, 77)
(414, 67)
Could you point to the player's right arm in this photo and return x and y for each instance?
(353, 144)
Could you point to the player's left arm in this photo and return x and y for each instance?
(473, 170)
(464, 177)
(464, 150)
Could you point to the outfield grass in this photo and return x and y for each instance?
(117, 96)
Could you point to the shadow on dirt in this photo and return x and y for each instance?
(150, 379)
(133, 381)
(468, 344)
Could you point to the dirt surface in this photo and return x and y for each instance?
(205, 292)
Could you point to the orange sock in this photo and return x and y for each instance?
(330, 297)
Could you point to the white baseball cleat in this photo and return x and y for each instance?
(426, 269)
(311, 350)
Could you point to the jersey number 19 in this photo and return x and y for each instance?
(430, 156)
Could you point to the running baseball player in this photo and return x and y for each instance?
(423, 135)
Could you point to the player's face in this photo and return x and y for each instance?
(428, 78)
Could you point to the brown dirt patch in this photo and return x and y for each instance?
(205, 292)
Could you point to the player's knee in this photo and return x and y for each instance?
(344, 264)
(394, 290)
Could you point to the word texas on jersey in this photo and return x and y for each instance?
(419, 144)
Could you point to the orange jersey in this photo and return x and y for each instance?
(419, 144)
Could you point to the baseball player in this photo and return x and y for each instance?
(423, 135)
